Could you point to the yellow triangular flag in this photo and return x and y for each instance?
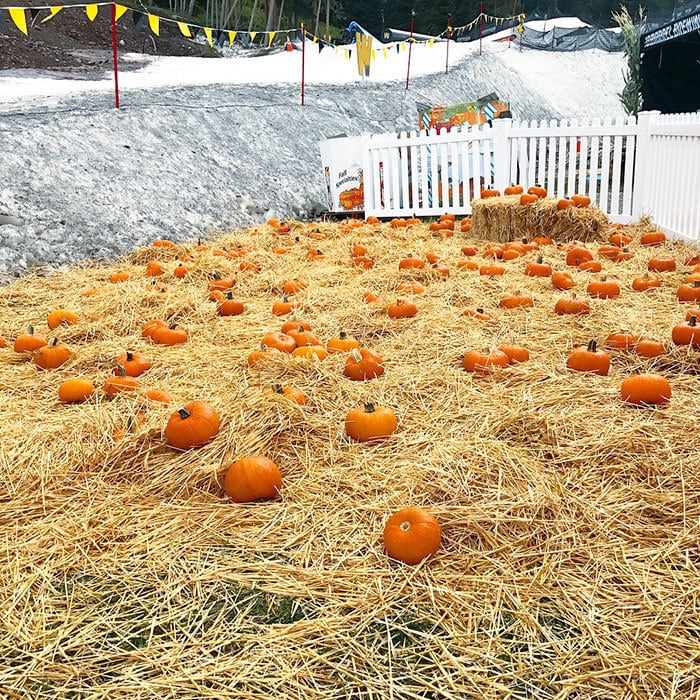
(231, 38)
(154, 24)
(19, 18)
(253, 35)
(91, 12)
(271, 36)
(347, 55)
(431, 42)
(119, 10)
(54, 11)
(403, 45)
(184, 29)
(315, 40)
(209, 34)
(384, 52)
(374, 54)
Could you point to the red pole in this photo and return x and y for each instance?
(449, 32)
(481, 24)
(410, 46)
(303, 60)
(114, 55)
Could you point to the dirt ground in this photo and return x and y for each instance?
(70, 42)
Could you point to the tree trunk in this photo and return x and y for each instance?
(279, 17)
(252, 16)
(318, 14)
(271, 12)
(328, 20)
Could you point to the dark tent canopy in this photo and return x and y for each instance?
(671, 65)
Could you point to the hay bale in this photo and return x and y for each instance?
(504, 219)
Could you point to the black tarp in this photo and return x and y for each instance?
(573, 39)
(671, 66)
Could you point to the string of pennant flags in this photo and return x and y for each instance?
(18, 15)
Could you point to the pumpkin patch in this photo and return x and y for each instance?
(473, 491)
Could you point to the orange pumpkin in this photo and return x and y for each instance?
(483, 361)
(252, 478)
(363, 364)
(29, 341)
(289, 392)
(75, 390)
(61, 317)
(193, 425)
(411, 535)
(402, 309)
(52, 355)
(370, 423)
(646, 389)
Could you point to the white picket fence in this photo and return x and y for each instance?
(627, 166)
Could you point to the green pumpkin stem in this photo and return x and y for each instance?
(342, 335)
(592, 346)
(369, 407)
(129, 356)
(693, 321)
(183, 413)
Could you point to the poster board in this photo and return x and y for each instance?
(470, 113)
(341, 159)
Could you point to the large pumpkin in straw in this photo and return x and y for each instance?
(411, 535)
(193, 425)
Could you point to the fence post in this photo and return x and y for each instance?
(370, 202)
(642, 164)
(501, 153)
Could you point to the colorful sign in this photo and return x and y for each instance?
(474, 113)
(341, 159)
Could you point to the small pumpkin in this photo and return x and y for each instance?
(262, 355)
(661, 263)
(687, 333)
(251, 479)
(285, 306)
(603, 289)
(134, 364)
(516, 300)
(118, 277)
(562, 280)
(590, 266)
(75, 390)
(515, 353)
(622, 340)
(289, 392)
(492, 270)
(539, 268)
(154, 269)
(644, 282)
(193, 425)
(157, 396)
(572, 305)
(488, 192)
(513, 189)
(620, 239)
(61, 317)
(411, 287)
(248, 266)
(363, 262)
(120, 382)
(689, 292)
(652, 238)
(311, 352)
(342, 343)
(217, 283)
(577, 255)
(169, 334)
(484, 361)
(649, 348)
(411, 535)
(293, 286)
(181, 271)
(29, 341)
(469, 250)
(363, 364)
(564, 204)
(402, 308)
(52, 355)
(230, 306)
(478, 314)
(370, 423)
(589, 359)
(580, 200)
(294, 324)
(528, 198)
(539, 192)
(302, 336)
(643, 389)
(411, 263)
(277, 340)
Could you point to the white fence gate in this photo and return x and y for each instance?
(627, 166)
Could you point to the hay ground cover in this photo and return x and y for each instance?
(570, 521)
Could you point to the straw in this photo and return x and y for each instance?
(569, 558)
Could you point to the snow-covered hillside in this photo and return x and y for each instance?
(201, 145)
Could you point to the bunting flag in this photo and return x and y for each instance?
(271, 36)
(119, 11)
(154, 24)
(208, 33)
(53, 11)
(19, 18)
(231, 38)
(252, 36)
(91, 12)
(374, 54)
(184, 29)
(384, 52)
(364, 53)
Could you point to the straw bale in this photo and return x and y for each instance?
(505, 219)
(569, 561)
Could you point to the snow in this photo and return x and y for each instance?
(205, 145)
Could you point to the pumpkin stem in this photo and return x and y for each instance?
(129, 356)
(119, 369)
(539, 259)
(480, 311)
(356, 355)
(693, 321)
(405, 526)
(53, 342)
(369, 407)
(229, 295)
(277, 388)
(592, 346)
(172, 326)
(30, 330)
(696, 283)
(184, 413)
(342, 335)
(216, 276)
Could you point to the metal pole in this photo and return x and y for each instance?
(481, 24)
(512, 26)
(410, 46)
(522, 24)
(303, 60)
(114, 56)
(449, 32)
